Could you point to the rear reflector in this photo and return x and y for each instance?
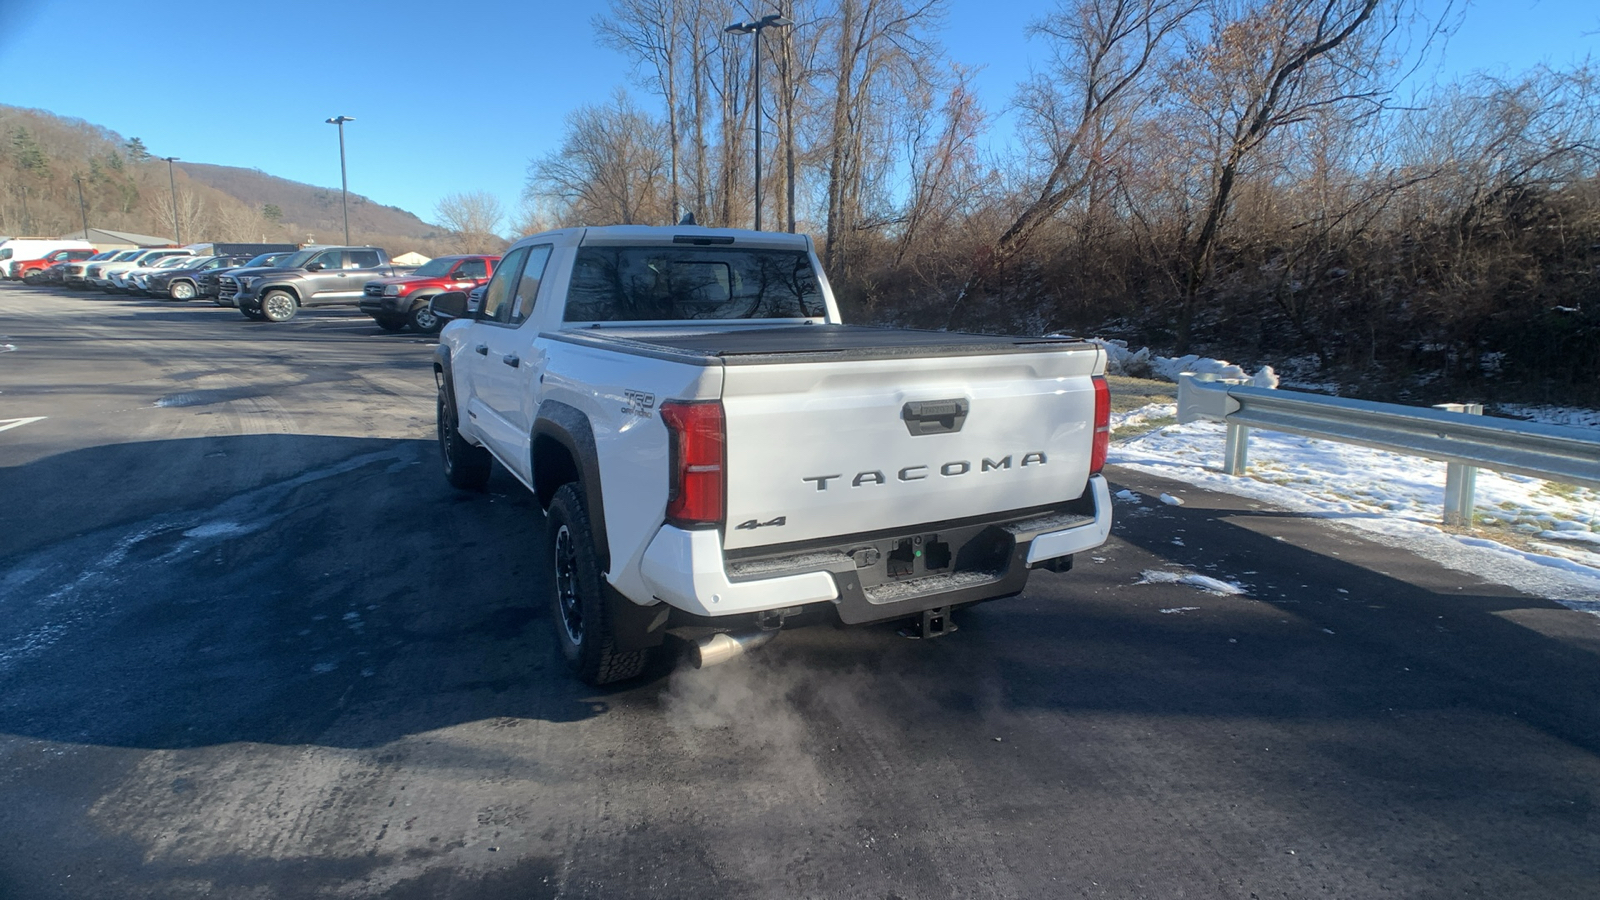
(696, 437)
(1102, 425)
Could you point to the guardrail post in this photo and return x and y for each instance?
(1235, 456)
(1460, 480)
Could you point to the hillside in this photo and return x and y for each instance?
(313, 208)
(45, 159)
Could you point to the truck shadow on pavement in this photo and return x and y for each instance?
(282, 589)
(1331, 624)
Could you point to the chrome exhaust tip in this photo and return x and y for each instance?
(721, 647)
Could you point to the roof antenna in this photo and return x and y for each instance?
(688, 219)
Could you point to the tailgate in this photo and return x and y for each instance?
(825, 449)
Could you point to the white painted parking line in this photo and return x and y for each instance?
(8, 424)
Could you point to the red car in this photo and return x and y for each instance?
(402, 300)
(29, 271)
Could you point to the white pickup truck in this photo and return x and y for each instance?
(717, 454)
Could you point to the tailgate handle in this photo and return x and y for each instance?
(934, 416)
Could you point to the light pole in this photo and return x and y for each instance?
(176, 225)
(772, 21)
(82, 210)
(344, 181)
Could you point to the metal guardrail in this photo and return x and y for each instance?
(1454, 434)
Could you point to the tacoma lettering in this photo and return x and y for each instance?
(952, 469)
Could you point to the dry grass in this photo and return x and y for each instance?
(1129, 394)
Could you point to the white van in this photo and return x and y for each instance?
(18, 249)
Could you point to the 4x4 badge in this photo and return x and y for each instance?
(752, 524)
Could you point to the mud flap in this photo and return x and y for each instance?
(635, 627)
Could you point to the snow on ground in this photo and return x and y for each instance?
(1203, 582)
(1395, 499)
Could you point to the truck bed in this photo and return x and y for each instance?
(799, 343)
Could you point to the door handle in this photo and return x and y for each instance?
(511, 360)
(483, 349)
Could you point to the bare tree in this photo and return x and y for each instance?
(651, 33)
(474, 219)
(535, 214)
(611, 168)
(1104, 60)
(1267, 65)
(943, 164)
(880, 45)
(194, 218)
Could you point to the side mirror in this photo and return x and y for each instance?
(314, 267)
(449, 305)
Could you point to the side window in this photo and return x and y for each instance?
(329, 259)
(528, 284)
(363, 259)
(497, 299)
(472, 268)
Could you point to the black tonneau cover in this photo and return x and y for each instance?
(799, 343)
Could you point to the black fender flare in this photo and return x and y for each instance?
(443, 377)
(633, 627)
(286, 286)
(566, 427)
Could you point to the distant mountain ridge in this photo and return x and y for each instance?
(311, 208)
(60, 174)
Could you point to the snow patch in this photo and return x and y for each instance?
(1193, 579)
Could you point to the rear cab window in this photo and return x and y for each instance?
(666, 284)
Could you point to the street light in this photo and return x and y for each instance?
(344, 180)
(772, 21)
(82, 210)
(176, 225)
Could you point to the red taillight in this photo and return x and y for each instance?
(695, 430)
(1102, 425)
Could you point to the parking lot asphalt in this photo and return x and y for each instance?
(253, 645)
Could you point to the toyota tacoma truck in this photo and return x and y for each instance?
(314, 276)
(717, 454)
(403, 300)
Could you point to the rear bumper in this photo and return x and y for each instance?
(687, 569)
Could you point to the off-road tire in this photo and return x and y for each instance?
(278, 306)
(465, 466)
(578, 613)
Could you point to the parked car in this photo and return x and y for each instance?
(315, 276)
(246, 250)
(54, 275)
(402, 300)
(26, 270)
(105, 279)
(135, 281)
(210, 283)
(712, 446)
(181, 282)
(16, 250)
(90, 277)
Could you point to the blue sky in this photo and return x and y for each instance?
(462, 101)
